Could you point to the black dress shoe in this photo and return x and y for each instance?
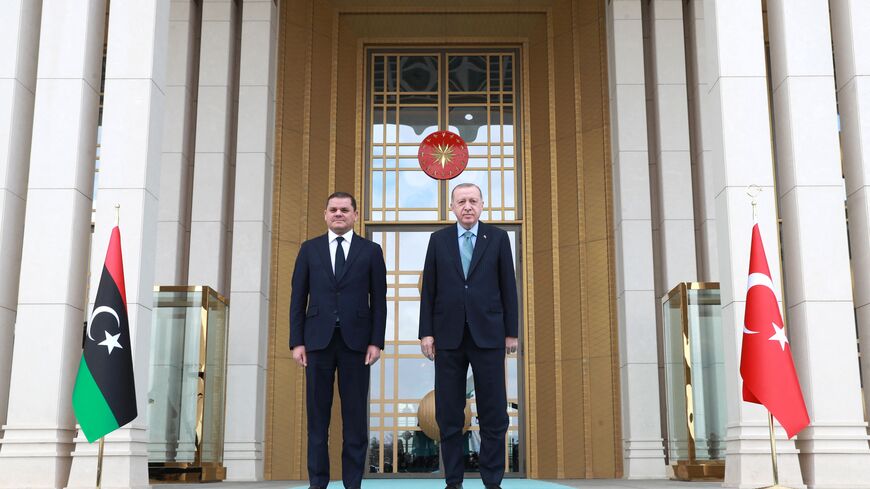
(453, 486)
(316, 487)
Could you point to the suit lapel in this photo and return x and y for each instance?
(479, 247)
(323, 252)
(356, 244)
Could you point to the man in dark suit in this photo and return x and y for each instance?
(468, 310)
(338, 313)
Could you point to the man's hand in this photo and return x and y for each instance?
(299, 355)
(511, 344)
(372, 354)
(427, 346)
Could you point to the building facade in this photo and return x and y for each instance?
(614, 140)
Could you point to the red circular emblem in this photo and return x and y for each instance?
(443, 155)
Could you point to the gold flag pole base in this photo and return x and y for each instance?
(100, 463)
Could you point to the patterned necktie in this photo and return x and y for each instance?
(339, 257)
(465, 251)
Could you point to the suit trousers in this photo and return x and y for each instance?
(353, 389)
(451, 368)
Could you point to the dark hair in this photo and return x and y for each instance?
(466, 185)
(341, 195)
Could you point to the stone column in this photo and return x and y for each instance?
(179, 131)
(850, 21)
(215, 145)
(741, 156)
(37, 441)
(19, 32)
(252, 237)
(129, 177)
(173, 222)
(820, 316)
(702, 171)
(641, 430)
(676, 216)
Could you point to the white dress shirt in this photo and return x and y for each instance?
(333, 245)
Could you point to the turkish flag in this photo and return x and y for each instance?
(769, 377)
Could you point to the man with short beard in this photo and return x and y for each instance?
(338, 314)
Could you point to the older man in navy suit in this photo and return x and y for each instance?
(338, 314)
(468, 312)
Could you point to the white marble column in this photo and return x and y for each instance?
(129, 176)
(850, 22)
(252, 236)
(215, 145)
(702, 171)
(673, 158)
(37, 441)
(179, 131)
(741, 156)
(19, 33)
(643, 452)
(834, 449)
(173, 221)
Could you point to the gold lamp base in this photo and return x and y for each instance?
(709, 470)
(186, 472)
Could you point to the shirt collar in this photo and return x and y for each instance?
(347, 236)
(461, 230)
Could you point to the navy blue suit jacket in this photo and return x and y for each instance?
(487, 299)
(357, 298)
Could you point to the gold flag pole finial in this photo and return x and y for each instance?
(117, 215)
(752, 191)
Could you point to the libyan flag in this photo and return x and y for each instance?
(104, 397)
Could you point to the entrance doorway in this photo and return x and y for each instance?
(411, 94)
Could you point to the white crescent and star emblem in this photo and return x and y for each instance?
(778, 331)
(111, 341)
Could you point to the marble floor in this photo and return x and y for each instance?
(469, 484)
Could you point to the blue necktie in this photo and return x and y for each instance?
(339, 257)
(465, 251)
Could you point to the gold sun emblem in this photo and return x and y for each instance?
(443, 154)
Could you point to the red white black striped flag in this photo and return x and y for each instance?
(104, 398)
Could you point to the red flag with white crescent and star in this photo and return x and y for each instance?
(769, 376)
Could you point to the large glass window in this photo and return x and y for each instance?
(412, 95)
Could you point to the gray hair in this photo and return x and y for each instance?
(465, 185)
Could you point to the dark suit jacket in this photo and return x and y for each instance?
(357, 298)
(487, 299)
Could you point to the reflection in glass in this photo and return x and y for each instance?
(467, 73)
(417, 378)
(419, 73)
(187, 382)
(694, 373)
(417, 190)
(409, 320)
(470, 123)
(416, 123)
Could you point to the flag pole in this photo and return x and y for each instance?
(117, 215)
(773, 454)
(752, 191)
(100, 463)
